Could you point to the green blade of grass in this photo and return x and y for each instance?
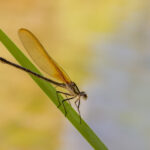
(50, 91)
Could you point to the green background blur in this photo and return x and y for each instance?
(104, 47)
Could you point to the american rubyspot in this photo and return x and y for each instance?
(49, 66)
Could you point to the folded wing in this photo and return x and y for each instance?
(41, 57)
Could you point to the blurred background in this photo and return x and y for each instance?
(104, 47)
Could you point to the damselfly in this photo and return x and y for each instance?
(49, 66)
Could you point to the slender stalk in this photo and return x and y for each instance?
(50, 91)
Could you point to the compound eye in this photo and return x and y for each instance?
(85, 96)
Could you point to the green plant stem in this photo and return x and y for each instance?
(50, 91)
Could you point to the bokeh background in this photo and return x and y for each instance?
(104, 47)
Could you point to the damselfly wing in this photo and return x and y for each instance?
(41, 57)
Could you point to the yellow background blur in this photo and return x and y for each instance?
(69, 30)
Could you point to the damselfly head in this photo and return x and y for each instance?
(84, 95)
